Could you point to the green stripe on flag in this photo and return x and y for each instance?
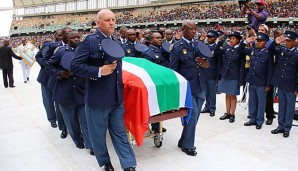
(165, 80)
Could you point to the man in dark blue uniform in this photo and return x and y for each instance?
(258, 77)
(103, 94)
(52, 78)
(169, 36)
(129, 45)
(122, 39)
(69, 92)
(43, 77)
(285, 78)
(211, 76)
(184, 60)
(155, 53)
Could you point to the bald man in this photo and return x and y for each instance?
(103, 94)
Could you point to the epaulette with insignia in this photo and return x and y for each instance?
(55, 51)
(83, 38)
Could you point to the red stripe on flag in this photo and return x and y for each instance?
(136, 106)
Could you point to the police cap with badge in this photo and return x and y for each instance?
(291, 35)
(111, 50)
(203, 50)
(212, 33)
(262, 36)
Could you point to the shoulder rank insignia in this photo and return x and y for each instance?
(128, 50)
(184, 51)
(156, 56)
(83, 38)
(221, 47)
(282, 54)
(252, 53)
(55, 51)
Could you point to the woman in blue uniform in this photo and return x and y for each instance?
(285, 78)
(231, 73)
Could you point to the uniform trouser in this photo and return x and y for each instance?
(286, 109)
(187, 138)
(257, 104)
(26, 70)
(48, 103)
(269, 104)
(76, 123)
(99, 120)
(8, 74)
(210, 92)
(59, 116)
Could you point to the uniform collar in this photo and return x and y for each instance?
(155, 47)
(105, 35)
(188, 41)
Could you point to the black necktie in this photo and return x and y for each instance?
(191, 43)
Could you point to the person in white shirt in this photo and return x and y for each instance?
(26, 68)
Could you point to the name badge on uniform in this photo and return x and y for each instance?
(128, 50)
(184, 51)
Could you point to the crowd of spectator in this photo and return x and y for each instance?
(208, 10)
(38, 38)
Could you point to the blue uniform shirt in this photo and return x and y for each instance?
(106, 91)
(43, 76)
(68, 91)
(285, 74)
(129, 49)
(156, 55)
(231, 62)
(49, 53)
(211, 71)
(261, 65)
(182, 60)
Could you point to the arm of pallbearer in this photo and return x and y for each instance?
(145, 55)
(79, 65)
(38, 56)
(52, 66)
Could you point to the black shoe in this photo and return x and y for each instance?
(232, 119)
(269, 121)
(259, 127)
(180, 146)
(225, 116)
(275, 113)
(92, 152)
(5, 86)
(286, 134)
(190, 152)
(212, 114)
(80, 145)
(25, 82)
(27, 78)
(248, 117)
(109, 167)
(12, 86)
(205, 110)
(129, 169)
(54, 125)
(63, 134)
(249, 123)
(277, 131)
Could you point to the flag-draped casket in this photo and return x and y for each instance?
(151, 89)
